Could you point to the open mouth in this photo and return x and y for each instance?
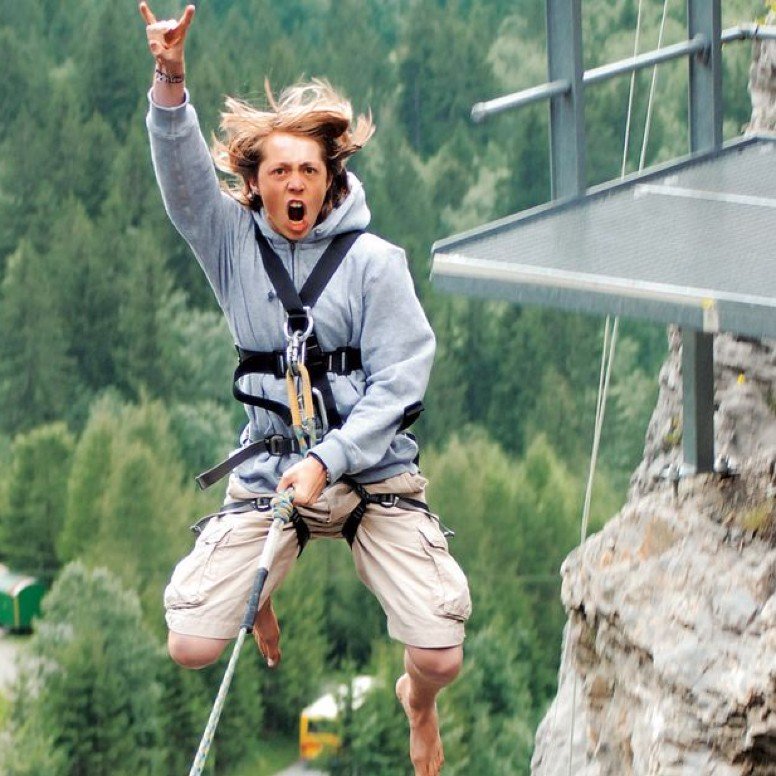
(295, 211)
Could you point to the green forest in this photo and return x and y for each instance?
(115, 370)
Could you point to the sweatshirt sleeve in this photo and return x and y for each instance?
(397, 352)
(191, 193)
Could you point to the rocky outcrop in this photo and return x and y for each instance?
(670, 649)
(762, 83)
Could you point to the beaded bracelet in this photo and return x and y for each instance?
(168, 78)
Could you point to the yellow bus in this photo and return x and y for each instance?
(319, 722)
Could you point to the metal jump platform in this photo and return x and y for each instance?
(684, 243)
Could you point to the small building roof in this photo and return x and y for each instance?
(12, 583)
(690, 242)
(327, 706)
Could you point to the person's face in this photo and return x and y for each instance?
(292, 181)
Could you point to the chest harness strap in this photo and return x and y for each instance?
(297, 305)
(341, 361)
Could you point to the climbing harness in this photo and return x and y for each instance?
(301, 342)
(282, 509)
(302, 347)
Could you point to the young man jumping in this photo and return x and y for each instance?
(354, 474)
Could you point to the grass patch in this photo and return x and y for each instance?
(759, 519)
(270, 756)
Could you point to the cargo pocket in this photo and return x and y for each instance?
(452, 589)
(195, 574)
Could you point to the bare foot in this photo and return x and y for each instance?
(266, 633)
(425, 743)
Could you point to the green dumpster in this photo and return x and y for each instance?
(20, 597)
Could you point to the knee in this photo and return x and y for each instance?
(194, 651)
(437, 666)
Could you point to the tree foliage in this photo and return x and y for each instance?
(90, 689)
(31, 519)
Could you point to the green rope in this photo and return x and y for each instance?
(282, 510)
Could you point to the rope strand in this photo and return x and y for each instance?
(282, 509)
(631, 92)
(608, 350)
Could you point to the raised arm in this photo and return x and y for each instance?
(166, 39)
(201, 212)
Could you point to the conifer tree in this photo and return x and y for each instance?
(36, 370)
(32, 517)
(438, 90)
(93, 677)
(146, 288)
(87, 481)
(112, 68)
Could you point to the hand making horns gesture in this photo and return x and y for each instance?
(166, 37)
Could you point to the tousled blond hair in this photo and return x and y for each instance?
(315, 110)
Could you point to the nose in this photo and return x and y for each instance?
(295, 182)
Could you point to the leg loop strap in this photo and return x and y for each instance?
(385, 500)
(260, 504)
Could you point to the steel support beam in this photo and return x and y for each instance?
(704, 18)
(567, 109)
(705, 119)
(698, 401)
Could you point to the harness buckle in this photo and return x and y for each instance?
(275, 444)
(387, 500)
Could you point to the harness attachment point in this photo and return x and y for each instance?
(275, 444)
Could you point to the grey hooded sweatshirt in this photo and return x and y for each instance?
(369, 303)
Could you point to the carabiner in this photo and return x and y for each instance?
(296, 349)
(296, 352)
(303, 335)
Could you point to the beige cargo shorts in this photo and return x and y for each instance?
(401, 555)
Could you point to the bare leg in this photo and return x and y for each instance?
(194, 651)
(266, 632)
(427, 671)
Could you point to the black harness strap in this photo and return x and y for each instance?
(276, 444)
(245, 368)
(341, 361)
(295, 302)
(387, 500)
